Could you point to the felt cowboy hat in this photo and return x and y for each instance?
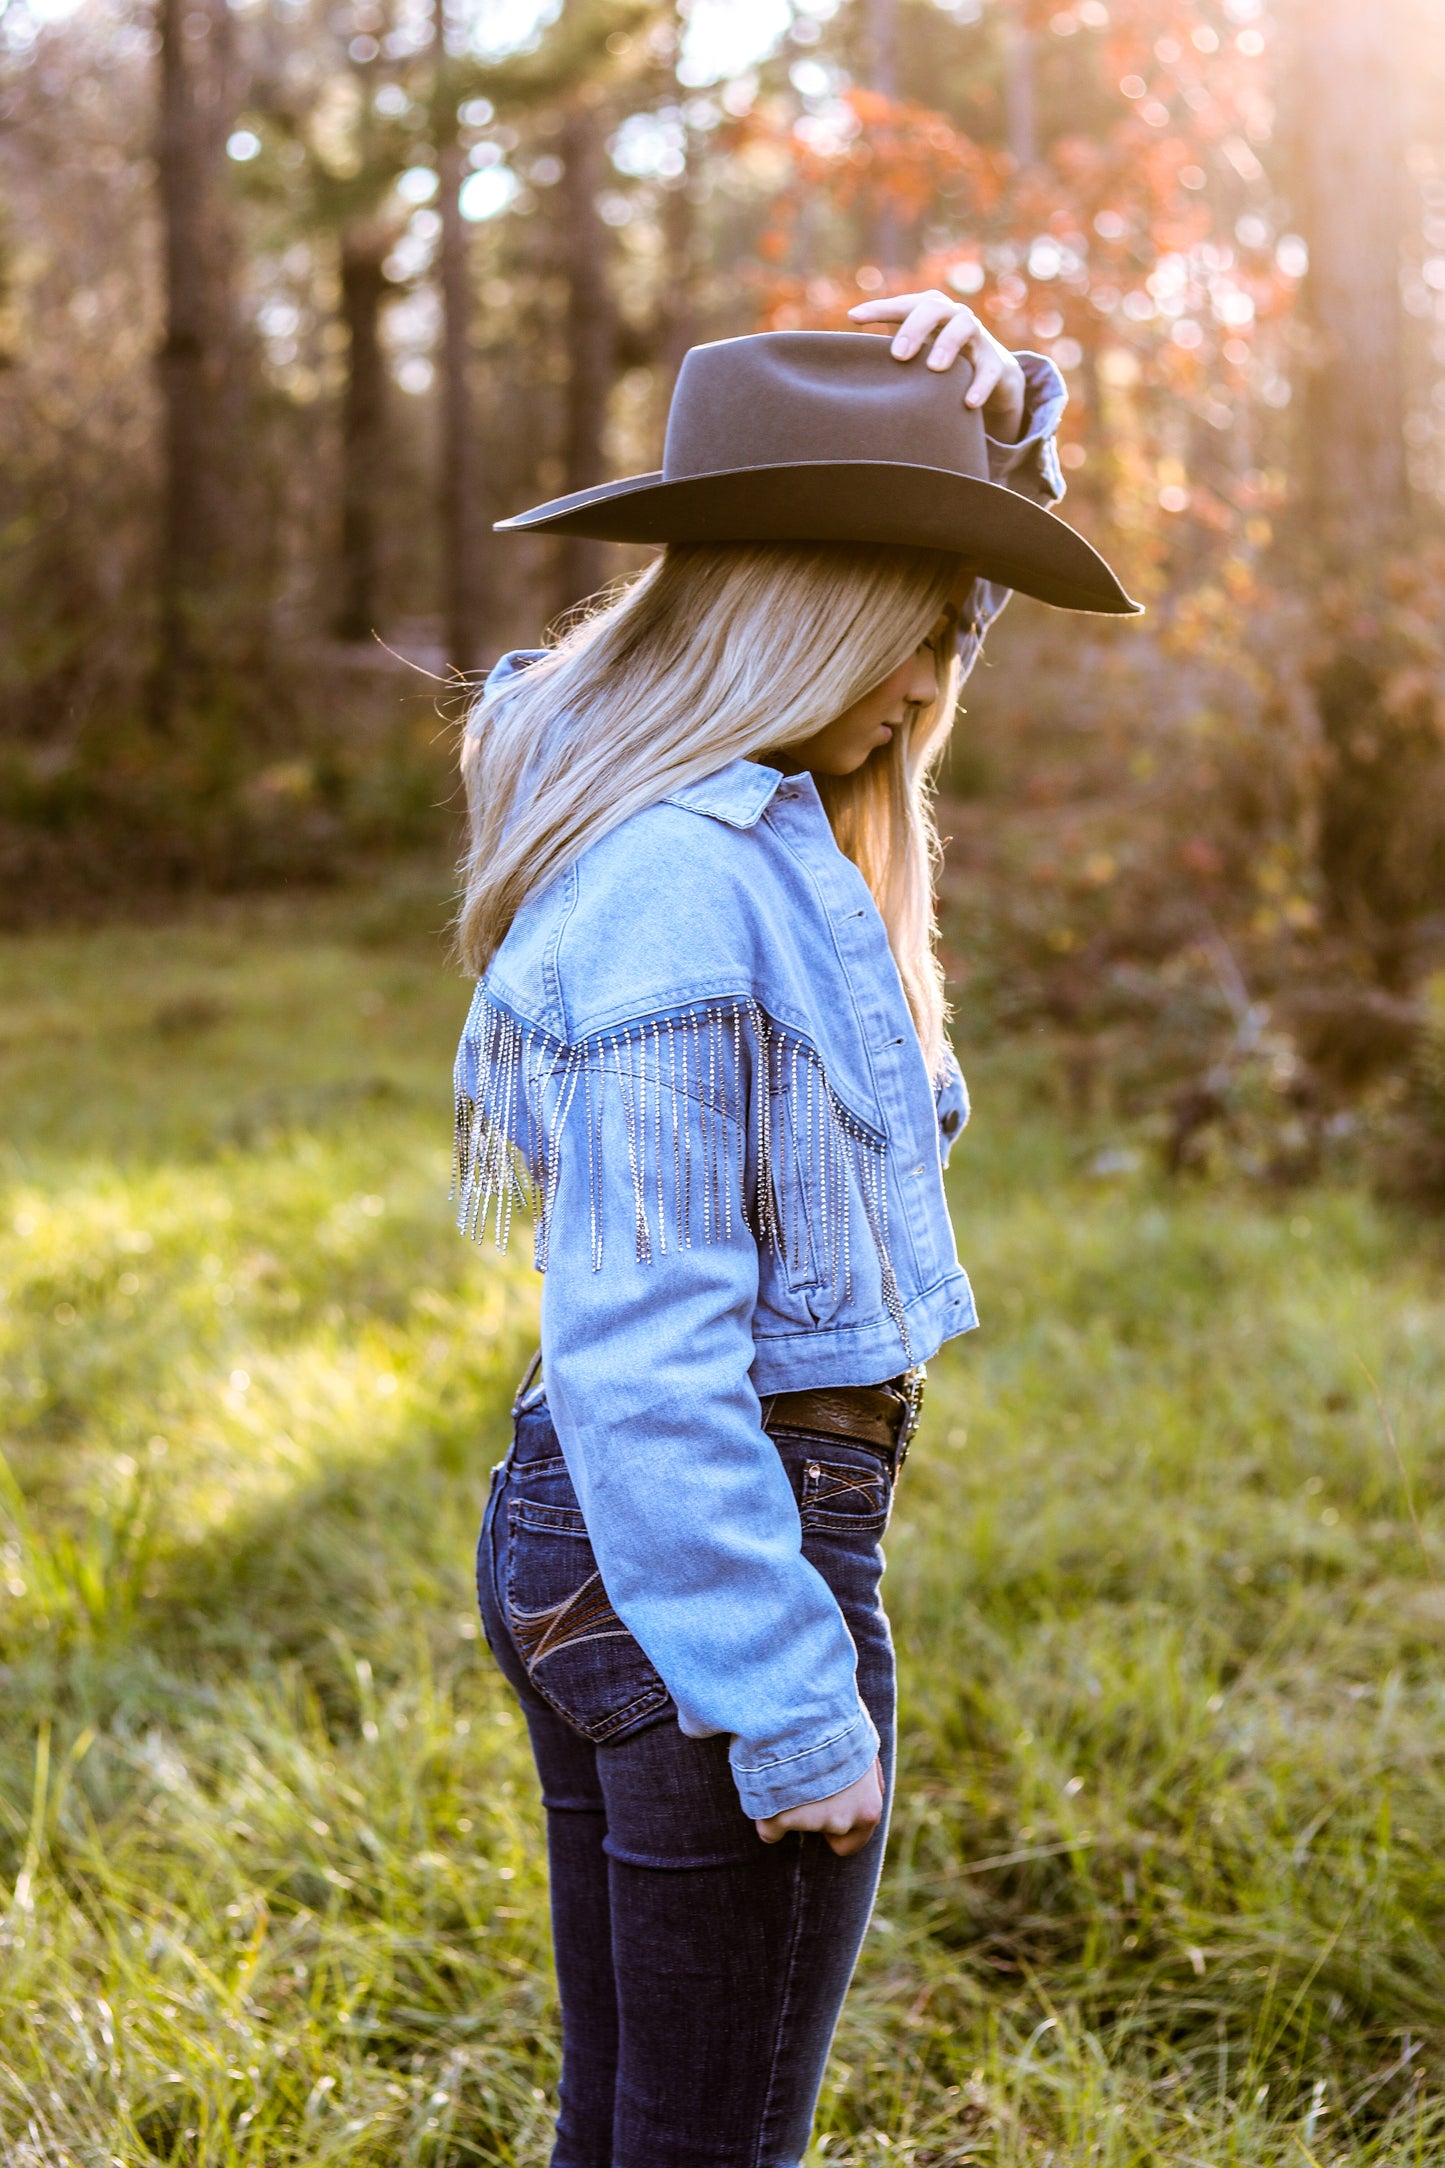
(821, 436)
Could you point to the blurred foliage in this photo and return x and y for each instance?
(1227, 911)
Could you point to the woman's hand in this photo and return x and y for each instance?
(847, 1819)
(998, 381)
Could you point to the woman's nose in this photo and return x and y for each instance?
(923, 684)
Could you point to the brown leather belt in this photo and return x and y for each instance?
(883, 1416)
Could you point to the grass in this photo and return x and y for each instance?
(1165, 1883)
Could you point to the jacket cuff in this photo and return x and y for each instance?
(772, 1787)
(950, 1097)
(1032, 468)
(1032, 465)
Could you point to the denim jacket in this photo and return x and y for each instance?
(693, 1058)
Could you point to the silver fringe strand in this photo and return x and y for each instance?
(689, 1113)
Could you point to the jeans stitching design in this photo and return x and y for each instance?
(866, 1499)
(580, 1617)
(586, 1614)
(832, 1485)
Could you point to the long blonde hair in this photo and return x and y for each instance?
(717, 650)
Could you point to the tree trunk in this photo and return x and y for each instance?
(194, 363)
(363, 430)
(881, 37)
(1381, 845)
(1091, 483)
(679, 240)
(1019, 91)
(880, 43)
(590, 337)
(1353, 162)
(460, 479)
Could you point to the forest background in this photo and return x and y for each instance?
(296, 298)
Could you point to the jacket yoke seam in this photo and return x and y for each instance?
(602, 1042)
(551, 961)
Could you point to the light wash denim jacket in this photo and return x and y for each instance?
(692, 1056)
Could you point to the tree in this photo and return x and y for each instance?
(1019, 89)
(459, 492)
(880, 44)
(197, 362)
(566, 63)
(364, 436)
(590, 333)
(1352, 145)
(338, 131)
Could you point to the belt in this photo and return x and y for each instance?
(883, 1416)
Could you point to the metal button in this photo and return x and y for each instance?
(814, 1471)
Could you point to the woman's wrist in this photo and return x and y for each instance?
(847, 1818)
(1007, 407)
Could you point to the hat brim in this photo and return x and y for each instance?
(1005, 536)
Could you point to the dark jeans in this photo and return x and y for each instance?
(701, 1971)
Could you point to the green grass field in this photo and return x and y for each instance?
(1167, 1879)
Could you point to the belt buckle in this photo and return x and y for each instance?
(911, 1391)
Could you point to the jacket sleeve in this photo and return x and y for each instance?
(691, 1515)
(1032, 468)
(950, 1096)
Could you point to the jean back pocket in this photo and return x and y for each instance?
(578, 1654)
(841, 1489)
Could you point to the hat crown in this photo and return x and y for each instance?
(780, 398)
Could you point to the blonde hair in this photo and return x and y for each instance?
(717, 650)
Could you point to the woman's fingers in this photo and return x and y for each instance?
(964, 334)
(918, 316)
(887, 309)
(961, 328)
(988, 366)
(923, 319)
(851, 1828)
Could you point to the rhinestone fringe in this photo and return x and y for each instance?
(729, 1119)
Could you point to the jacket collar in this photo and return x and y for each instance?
(739, 794)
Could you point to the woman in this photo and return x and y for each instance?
(708, 1039)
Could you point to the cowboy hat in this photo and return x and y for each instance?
(821, 436)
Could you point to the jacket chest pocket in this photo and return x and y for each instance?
(802, 1251)
(577, 1652)
(823, 1238)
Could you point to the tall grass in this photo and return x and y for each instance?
(1165, 1880)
